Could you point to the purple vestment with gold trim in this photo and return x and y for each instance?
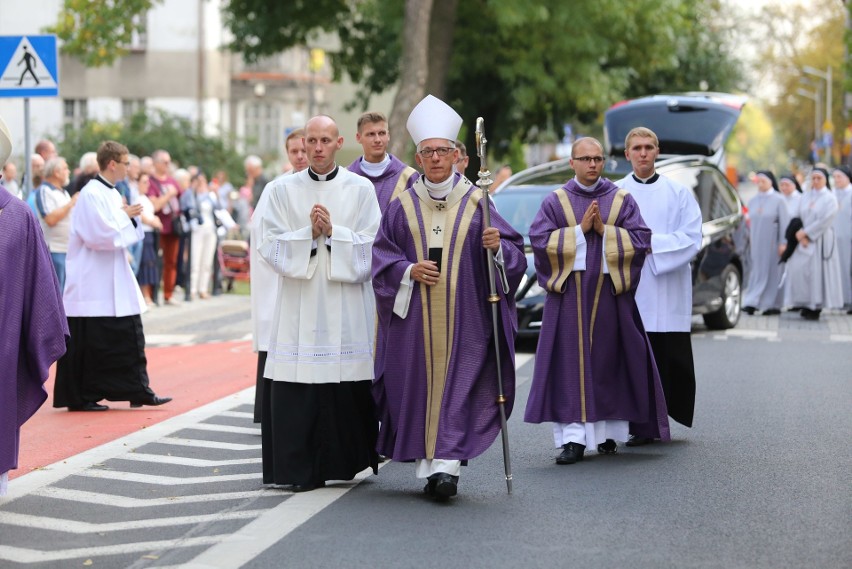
(387, 183)
(593, 361)
(436, 376)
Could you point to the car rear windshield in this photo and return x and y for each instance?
(683, 128)
(519, 205)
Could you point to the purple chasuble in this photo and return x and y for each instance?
(32, 321)
(436, 373)
(593, 360)
(396, 178)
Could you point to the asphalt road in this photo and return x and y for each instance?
(762, 480)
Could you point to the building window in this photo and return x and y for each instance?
(76, 112)
(130, 107)
(139, 35)
(263, 127)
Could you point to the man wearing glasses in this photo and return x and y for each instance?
(106, 352)
(594, 377)
(436, 374)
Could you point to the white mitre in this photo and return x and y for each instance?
(5, 143)
(433, 118)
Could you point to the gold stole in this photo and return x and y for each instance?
(401, 182)
(438, 302)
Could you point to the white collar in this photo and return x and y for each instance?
(587, 188)
(440, 190)
(375, 168)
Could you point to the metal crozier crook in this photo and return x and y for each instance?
(485, 182)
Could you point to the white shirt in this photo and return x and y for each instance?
(323, 323)
(664, 294)
(56, 236)
(99, 280)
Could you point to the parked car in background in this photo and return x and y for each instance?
(692, 130)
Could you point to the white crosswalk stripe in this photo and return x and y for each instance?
(237, 414)
(78, 527)
(164, 480)
(206, 444)
(225, 429)
(112, 500)
(262, 522)
(183, 461)
(24, 555)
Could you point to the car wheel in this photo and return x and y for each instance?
(729, 314)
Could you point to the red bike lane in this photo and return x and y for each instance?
(192, 375)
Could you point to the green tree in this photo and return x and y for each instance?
(524, 65)
(99, 31)
(754, 144)
(146, 132)
(815, 41)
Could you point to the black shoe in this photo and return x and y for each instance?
(382, 458)
(638, 441)
(771, 312)
(749, 309)
(573, 453)
(809, 314)
(608, 447)
(88, 406)
(152, 401)
(306, 487)
(446, 486)
(795, 308)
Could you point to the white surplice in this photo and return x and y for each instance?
(264, 279)
(99, 280)
(323, 324)
(664, 295)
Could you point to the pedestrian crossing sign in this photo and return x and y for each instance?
(28, 66)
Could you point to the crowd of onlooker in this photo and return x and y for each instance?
(186, 213)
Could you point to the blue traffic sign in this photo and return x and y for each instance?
(28, 66)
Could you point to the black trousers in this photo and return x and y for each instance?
(105, 360)
(311, 433)
(258, 389)
(673, 355)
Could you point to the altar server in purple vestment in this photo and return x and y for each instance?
(436, 374)
(389, 174)
(595, 377)
(34, 327)
(664, 293)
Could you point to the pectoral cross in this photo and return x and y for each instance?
(440, 206)
(437, 230)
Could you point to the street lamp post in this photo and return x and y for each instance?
(828, 127)
(816, 98)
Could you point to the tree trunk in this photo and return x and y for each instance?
(415, 66)
(441, 33)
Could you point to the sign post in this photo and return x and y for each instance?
(28, 68)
